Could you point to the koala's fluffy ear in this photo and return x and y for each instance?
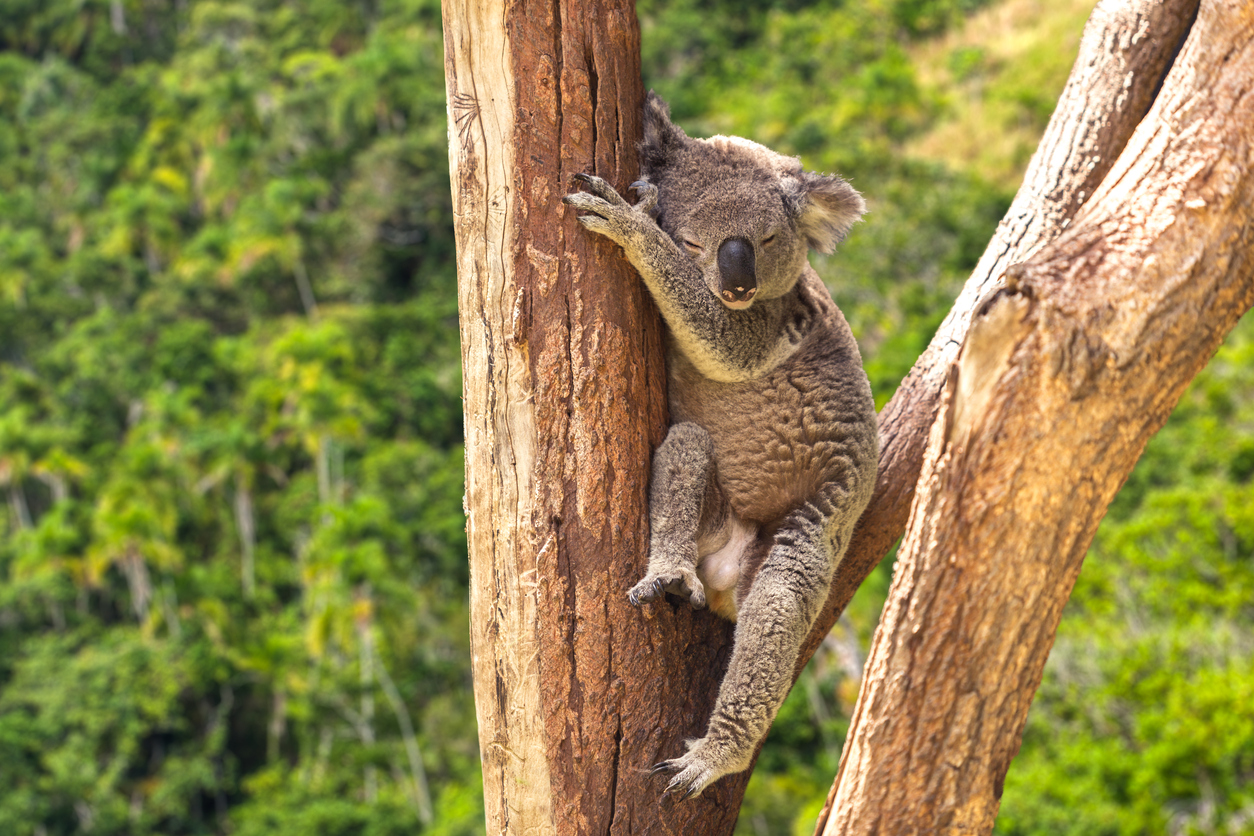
(825, 206)
(662, 138)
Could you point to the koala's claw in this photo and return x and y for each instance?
(681, 582)
(598, 187)
(601, 189)
(691, 777)
(587, 202)
(648, 195)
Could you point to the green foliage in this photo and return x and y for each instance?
(230, 436)
(232, 561)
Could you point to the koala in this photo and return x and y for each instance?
(772, 452)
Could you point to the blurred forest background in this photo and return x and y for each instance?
(232, 560)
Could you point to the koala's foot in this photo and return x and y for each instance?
(678, 581)
(704, 764)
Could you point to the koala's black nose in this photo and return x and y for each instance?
(737, 270)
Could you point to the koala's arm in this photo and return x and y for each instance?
(724, 345)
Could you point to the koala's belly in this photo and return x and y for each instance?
(780, 438)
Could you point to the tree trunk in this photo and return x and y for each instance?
(578, 694)
(1068, 369)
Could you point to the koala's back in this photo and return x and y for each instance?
(809, 421)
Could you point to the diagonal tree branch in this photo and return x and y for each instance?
(1063, 377)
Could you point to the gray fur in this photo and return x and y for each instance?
(772, 455)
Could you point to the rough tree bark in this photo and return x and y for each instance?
(1068, 369)
(577, 693)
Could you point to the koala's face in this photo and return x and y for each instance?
(745, 214)
(742, 237)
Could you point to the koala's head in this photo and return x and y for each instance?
(745, 214)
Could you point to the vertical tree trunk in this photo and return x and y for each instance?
(577, 692)
(1067, 371)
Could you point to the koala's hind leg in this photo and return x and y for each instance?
(682, 490)
(776, 614)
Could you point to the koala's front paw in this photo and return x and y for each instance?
(681, 582)
(704, 764)
(612, 216)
